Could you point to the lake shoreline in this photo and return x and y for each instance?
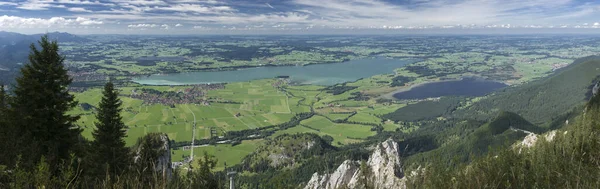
(317, 74)
(391, 95)
(243, 67)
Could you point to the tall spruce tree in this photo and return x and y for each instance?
(40, 105)
(108, 147)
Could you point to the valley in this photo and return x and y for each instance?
(235, 101)
(237, 110)
(299, 94)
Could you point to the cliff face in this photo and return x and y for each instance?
(163, 164)
(346, 175)
(386, 166)
(385, 171)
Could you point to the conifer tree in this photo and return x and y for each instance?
(108, 150)
(40, 105)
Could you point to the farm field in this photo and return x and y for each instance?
(239, 106)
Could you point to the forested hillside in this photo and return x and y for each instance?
(502, 131)
(566, 158)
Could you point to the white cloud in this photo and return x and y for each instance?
(199, 1)
(8, 3)
(139, 2)
(82, 2)
(368, 13)
(86, 21)
(78, 9)
(38, 5)
(195, 8)
(178, 25)
(20, 22)
(142, 26)
(269, 5)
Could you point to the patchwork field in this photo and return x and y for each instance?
(238, 106)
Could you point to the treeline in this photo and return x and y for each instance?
(42, 146)
(400, 80)
(248, 134)
(358, 96)
(424, 110)
(374, 126)
(339, 89)
(291, 149)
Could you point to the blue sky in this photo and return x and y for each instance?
(295, 16)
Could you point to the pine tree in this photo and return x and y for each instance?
(40, 105)
(108, 147)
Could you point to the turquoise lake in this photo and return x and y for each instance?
(318, 74)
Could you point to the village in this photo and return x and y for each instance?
(192, 95)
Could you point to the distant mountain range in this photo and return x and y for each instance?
(14, 50)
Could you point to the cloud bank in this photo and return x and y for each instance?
(190, 15)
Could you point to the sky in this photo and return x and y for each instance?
(298, 16)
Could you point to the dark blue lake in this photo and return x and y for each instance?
(464, 87)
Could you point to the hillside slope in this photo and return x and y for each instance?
(543, 100)
(285, 150)
(568, 158)
(503, 130)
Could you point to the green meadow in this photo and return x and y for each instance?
(224, 153)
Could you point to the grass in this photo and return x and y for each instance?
(365, 118)
(224, 153)
(341, 133)
(261, 105)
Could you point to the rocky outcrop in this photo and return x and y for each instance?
(386, 166)
(385, 171)
(345, 175)
(153, 149)
(532, 138)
